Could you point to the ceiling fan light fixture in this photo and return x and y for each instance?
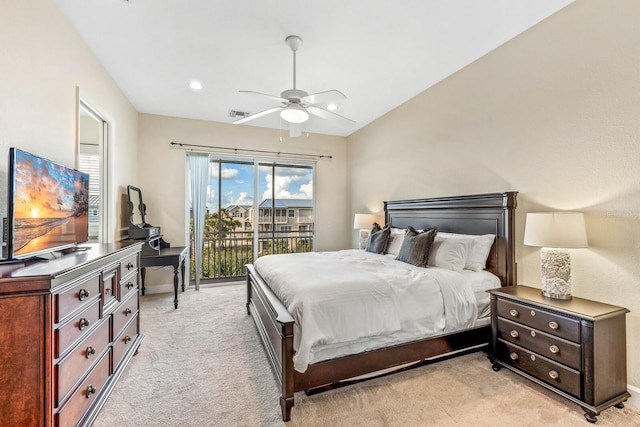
(294, 114)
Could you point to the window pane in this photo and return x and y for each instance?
(90, 163)
(285, 214)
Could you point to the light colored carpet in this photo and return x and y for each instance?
(203, 365)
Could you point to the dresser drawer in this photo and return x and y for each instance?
(84, 395)
(124, 342)
(77, 327)
(128, 285)
(78, 361)
(125, 311)
(555, 374)
(72, 299)
(128, 265)
(543, 320)
(558, 349)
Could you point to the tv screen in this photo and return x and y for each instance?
(48, 205)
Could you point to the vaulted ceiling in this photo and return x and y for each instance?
(378, 53)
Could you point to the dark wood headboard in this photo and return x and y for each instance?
(475, 214)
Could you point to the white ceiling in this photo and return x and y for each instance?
(378, 53)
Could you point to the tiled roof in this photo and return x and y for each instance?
(288, 203)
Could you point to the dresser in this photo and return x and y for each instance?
(576, 347)
(68, 328)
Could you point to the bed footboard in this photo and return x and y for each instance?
(275, 326)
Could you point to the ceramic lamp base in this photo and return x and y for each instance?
(364, 238)
(556, 273)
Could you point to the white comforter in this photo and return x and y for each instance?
(351, 301)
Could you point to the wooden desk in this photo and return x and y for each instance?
(175, 256)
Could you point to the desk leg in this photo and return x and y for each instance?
(182, 267)
(175, 286)
(143, 271)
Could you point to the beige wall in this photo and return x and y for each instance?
(42, 63)
(163, 174)
(553, 114)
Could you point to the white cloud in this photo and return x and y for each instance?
(283, 183)
(227, 173)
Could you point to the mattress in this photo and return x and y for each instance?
(348, 302)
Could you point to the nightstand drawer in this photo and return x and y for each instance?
(563, 351)
(542, 320)
(544, 369)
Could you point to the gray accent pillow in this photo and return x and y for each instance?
(379, 239)
(416, 246)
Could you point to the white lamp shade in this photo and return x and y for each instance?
(555, 230)
(294, 114)
(362, 221)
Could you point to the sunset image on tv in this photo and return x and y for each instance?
(50, 205)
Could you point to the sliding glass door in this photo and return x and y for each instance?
(285, 209)
(254, 208)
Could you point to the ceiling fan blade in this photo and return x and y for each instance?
(328, 115)
(323, 97)
(256, 115)
(277, 98)
(295, 130)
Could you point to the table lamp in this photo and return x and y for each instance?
(363, 222)
(556, 232)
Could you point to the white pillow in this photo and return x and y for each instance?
(395, 241)
(479, 250)
(449, 253)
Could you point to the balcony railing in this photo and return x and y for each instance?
(224, 255)
(267, 219)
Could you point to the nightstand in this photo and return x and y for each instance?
(576, 347)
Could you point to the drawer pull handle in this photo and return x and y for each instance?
(553, 325)
(514, 334)
(130, 266)
(553, 374)
(533, 357)
(513, 356)
(554, 349)
(83, 323)
(513, 312)
(127, 311)
(127, 339)
(90, 390)
(83, 294)
(90, 351)
(533, 333)
(129, 285)
(533, 313)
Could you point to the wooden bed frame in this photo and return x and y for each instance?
(474, 214)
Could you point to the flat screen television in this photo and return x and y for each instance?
(48, 206)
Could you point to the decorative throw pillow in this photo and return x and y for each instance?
(449, 253)
(395, 241)
(378, 239)
(415, 246)
(478, 251)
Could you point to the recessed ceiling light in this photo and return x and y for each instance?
(195, 85)
(331, 107)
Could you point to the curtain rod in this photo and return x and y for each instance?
(247, 150)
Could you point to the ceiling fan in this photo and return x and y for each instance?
(296, 104)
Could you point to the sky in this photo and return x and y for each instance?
(43, 189)
(238, 183)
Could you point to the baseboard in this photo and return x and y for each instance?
(634, 400)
